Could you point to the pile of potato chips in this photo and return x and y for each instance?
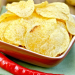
(45, 28)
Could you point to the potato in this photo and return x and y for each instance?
(71, 2)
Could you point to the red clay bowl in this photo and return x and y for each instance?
(32, 57)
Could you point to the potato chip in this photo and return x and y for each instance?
(35, 20)
(5, 20)
(6, 15)
(54, 10)
(59, 41)
(3, 26)
(48, 40)
(62, 7)
(70, 23)
(40, 5)
(15, 32)
(61, 24)
(22, 8)
(71, 18)
(11, 18)
(71, 27)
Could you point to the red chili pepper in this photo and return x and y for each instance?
(16, 69)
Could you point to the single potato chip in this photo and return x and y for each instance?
(54, 10)
(71, 18)
(71, 27)
(62, 7)
(5, 20)
(15, 32)
(40, 5)
(10, 18)
(48, 40)
(61, 24)
(6, 15)
(22, 8)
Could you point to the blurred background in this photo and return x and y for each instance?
(71, 3)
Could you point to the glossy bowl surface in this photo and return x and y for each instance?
(32, 57)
